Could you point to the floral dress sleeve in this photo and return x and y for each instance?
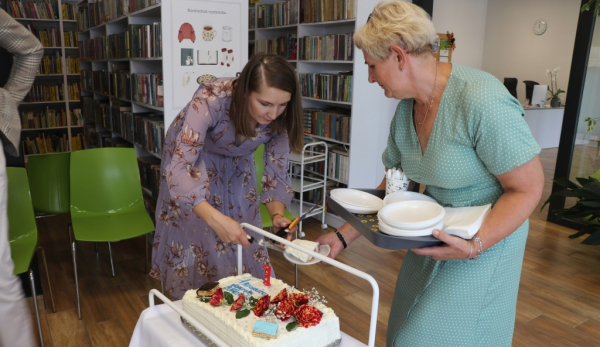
(276, 184)
(186, 173)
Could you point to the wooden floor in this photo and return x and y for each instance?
(558, 305)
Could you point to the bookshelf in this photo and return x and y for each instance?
(51, 113)
(341, 108)
(120, 49)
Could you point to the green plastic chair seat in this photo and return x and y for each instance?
(266, 218)
(103, 227)
(49, 182)
(22, 230)
(106, 196)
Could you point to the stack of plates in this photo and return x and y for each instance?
(356, 201)
(404, 195)
(411, 218)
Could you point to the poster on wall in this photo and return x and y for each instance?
(208, 40)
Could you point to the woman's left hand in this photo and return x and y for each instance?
(454, 247)
(280, 222)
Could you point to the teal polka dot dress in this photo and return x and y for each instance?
(479, 132)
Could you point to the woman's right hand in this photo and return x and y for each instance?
(226, 228)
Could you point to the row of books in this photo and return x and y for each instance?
(52, 64)
(279, 14)
(139, 41)
(87, 80)
(147, 88)
(48, 37)
(78, 142)
(144, 128)
(252, 18)
(326, 10)
(120, 82)
(46, 143)
(149, 167)
(327, 47)
(68, 11)
(45, 9)
(45, 92)
(46, 118)
(71, 39)
(335, 87)
(101, 11)
(333, 123)
(100, 81)
(285, 46)
(337, 164)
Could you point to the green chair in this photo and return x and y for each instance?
(106, 200)
(49, 182)
(260, 169)
(22, 233)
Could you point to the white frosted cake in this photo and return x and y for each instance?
(222, 319)
(310, 245)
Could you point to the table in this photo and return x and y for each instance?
(545, 124)
(160, 326)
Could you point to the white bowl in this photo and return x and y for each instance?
(356, 209)
(356, 198)
(403, 195)
(390, 230)
(412, 214)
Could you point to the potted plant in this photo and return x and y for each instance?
(587, 207)
(553, 87)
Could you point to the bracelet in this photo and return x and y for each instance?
(275, 214)
(480, 250)
(339, 235)
(470, 252)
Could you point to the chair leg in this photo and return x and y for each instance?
(70, 231)
(48, 277)
(35, 305)
(146, 257)
(76, 279)
(111, 261)
(162, 287)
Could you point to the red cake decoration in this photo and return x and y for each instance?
(262, 305)
(308, 316)
(285, 309)
(239, 302)
(280, 297)
(217, 297)
(299, 298)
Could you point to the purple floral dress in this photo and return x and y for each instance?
(202, 162)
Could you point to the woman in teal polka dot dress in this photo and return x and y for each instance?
(459, 132)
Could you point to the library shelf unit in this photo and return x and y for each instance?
(121, 78)
(365, 106)
(51, 113)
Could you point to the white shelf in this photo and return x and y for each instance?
(309, 184)
(297, 158)
(328, 101)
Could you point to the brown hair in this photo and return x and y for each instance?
(272, 71)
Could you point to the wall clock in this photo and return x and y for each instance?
(539, 27)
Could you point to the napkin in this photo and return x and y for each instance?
(465, 221)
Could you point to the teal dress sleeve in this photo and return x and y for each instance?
(499, 132)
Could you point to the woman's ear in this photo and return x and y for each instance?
(399, 55)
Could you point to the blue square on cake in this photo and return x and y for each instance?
(265, 330)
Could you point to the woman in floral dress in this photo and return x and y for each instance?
(208, 180)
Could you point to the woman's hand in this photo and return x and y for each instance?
(280, 222)
(227, 229)
(454, 248)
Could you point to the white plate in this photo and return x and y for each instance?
(355, 209)
(412, 214)
(401, 232)
(357, 198)
(323, 250)
(403, 195)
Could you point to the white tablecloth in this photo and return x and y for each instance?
(161, 326)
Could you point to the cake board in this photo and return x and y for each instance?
(368, 226)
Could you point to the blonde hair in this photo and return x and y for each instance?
(395, 22)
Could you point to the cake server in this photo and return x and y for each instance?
(270, 245)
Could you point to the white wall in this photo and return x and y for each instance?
(511, 49)
(466, 20)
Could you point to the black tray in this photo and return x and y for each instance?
(368, 226)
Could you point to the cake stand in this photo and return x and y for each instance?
(200, 329)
